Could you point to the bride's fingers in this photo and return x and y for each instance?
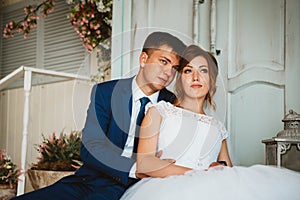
(159, 153)
(141, 175)
(213, 164)
(170, 160)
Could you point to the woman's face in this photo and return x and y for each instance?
(195, 78)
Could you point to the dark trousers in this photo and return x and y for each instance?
(70, 188)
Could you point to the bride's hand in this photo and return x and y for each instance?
(140, 175)
(213, 164)
(158, 154)
(170, 160)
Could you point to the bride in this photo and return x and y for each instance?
(200, 167)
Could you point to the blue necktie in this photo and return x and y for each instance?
(140, 117)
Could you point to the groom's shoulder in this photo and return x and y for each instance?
(113, 83)
(167, 95)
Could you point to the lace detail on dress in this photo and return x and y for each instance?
(167, 109)
(221, 128)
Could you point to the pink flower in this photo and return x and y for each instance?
(2, 154)
(25, 11)
(52, 138)
(32, 26)
(86, 17)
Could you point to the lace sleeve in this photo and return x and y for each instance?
(165, 109)
(223, 131)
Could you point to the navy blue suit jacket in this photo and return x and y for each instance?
(106, 130)
(104, 174)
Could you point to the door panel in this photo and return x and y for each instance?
(256, 76)
(256, 112)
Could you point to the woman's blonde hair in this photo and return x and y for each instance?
(189, 54)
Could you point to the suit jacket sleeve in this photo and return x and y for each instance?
(98, 152)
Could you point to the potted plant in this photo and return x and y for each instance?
(59, 157)
(9, 173)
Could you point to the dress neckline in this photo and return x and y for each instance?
(188, 111)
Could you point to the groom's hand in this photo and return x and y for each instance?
(140, 175)
(170, 160)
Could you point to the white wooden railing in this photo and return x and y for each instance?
(27, 73)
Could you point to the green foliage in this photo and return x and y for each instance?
(59, 153)
(9, 172)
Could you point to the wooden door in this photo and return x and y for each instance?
(259, 63)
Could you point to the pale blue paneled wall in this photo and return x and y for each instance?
(259, 61)
(136, 19)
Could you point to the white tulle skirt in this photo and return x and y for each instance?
(258, 182)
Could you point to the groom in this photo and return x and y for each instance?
(108, 139)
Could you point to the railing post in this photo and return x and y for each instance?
(27, 89)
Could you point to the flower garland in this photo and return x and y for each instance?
(30, 21)
(91, 20)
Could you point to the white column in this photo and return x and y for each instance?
(213, 26)
(27, 89)
(196, 21)
(121, 38)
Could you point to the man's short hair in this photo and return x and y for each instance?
(158, 39)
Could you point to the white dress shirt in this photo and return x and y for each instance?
(137, 93)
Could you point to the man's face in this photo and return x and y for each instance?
(157, 69)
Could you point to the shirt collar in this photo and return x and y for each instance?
(137, 93)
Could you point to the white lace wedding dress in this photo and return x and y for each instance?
(194, 141)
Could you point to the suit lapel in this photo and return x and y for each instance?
(122, 106)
